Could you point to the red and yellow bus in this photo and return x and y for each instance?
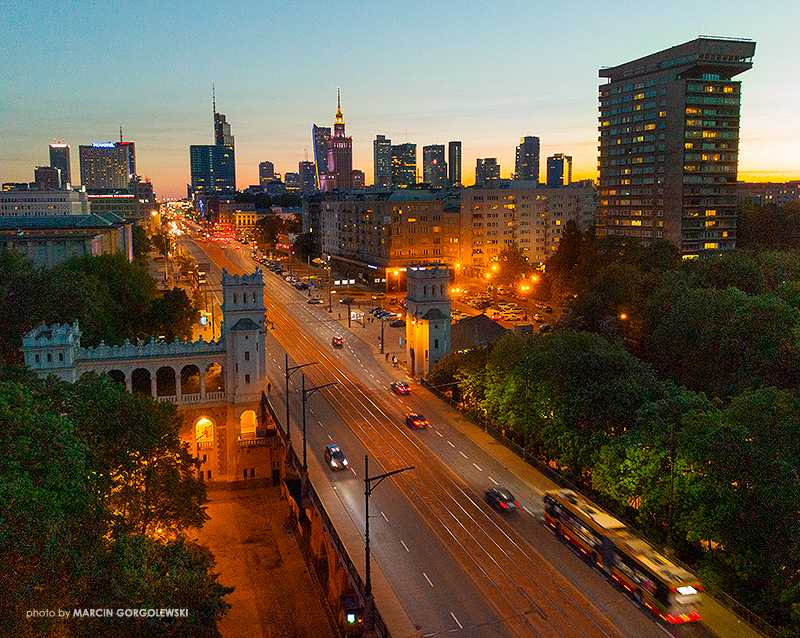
(669, 591)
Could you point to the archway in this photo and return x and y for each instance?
(165, 382)
(140, 381)
(190, 380)
(215, 379)
(204, 430)
(117, 376)
(247, 424)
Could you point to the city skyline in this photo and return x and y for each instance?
(70, 79)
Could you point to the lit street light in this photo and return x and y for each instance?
(287, 373)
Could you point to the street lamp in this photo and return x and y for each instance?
(288, 373)
(369, 602)
(307, 393)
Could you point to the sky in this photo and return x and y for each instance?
(416, 71)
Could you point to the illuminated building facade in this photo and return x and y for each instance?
(339, 175)
(669, 144)
(213, 167)
(404, 165)
(559, 170)
(321, 135)
(308, 177)
(487, 171)
(107, 165)
(434, 166)
(382, 161)
(526, 166)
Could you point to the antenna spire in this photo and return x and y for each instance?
(120, 132)
(338, 98)
(213, 98)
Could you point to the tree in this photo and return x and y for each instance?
(512, 264)
(20, 285)
(304, 246)
(141, 243)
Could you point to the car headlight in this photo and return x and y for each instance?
(334, 463)
(344, 462)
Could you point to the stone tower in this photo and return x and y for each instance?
(428, 317)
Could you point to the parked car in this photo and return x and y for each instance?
(347, 300)
(398, 323)
(316, 300)
(334, 457)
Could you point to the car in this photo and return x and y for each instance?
(237, 247)
(337, 342)
(548, 309)
(401, 387)
(500, 498)
(379, 295)
(538, 318)
(383, 314)
(316, 300)
(397, 323)
(334, 457)
(496, 316)
(375, 310)
(416, 421)
(545, 327)
(347, 300)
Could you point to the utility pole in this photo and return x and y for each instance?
(288, 373)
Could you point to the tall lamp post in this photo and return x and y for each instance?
(307, 392)
(288, 373)
(369, 602)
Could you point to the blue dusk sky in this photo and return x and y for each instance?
(423, 72)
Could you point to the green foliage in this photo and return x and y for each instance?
(304, 246)
(95, 490)
(512, 264)
(20, 298)
(173, 315)
(768, 226)
(268, 227)
(141, 243)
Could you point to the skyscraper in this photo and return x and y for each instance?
(107, 165)
(321, 135)
(404, 165)
(382, 161)
(48, 178)
(266, 173)
(454, 163)
(434, 167)
(669, 143)
(526, 166)
(487, 171)
(59, 158)
(340, 155)
(559, 170)
(213, 167)
(308, 177)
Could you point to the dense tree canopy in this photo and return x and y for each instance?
(95, 492)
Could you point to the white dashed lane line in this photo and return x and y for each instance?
(456, 619)
(405, 546)
(429, 580)
(439, 433)
(384, 517)
(462, 454)
(493, 481)
(527, 510)
(451, 444)
(477, 467)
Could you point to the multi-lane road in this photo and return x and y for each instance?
(454, 563)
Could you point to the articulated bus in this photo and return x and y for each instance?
(668, 590)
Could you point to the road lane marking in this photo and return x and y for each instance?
(353, 471)
(384, 517)
(462, 454)
(451, 444)
(456, 619)
(431, 584)
(493, 481)
(439, 433)
(406, 546)
(527, 510)
(330, 438)
(477, 467)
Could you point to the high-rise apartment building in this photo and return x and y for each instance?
(339, 175)
(454, 163)
(107, 165)
(669, 143)
(382, 161)
(559, 170)
(404, 165)
(434, 166)
(59, 158)
(526, 166)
